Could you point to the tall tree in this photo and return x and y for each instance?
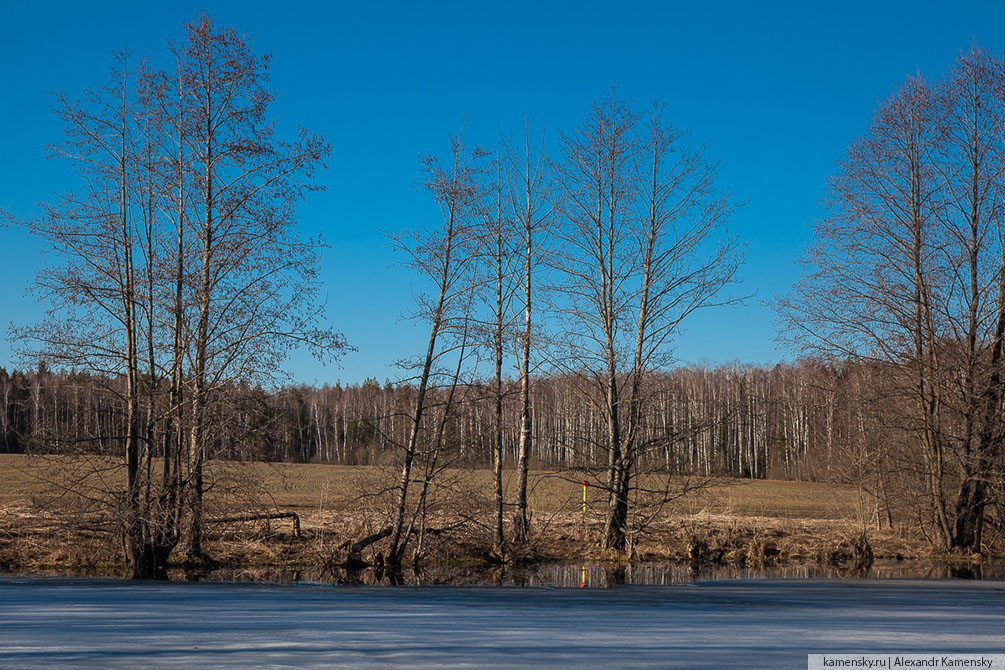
(446, 257)
(971, 165)
(255, 289)
(495, 245)
(531, 203)
(686, 260)
(875, 266)
(643, 247)
(176, 165)
(907, 273)
(94, 289)
(595, 266)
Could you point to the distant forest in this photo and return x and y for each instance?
(808, 421)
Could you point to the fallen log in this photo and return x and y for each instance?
(354, 550)
(261, 517)
(360, 545)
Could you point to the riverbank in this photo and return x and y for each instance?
(738, 523)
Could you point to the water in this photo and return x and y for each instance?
(569, 575)
(747, 623)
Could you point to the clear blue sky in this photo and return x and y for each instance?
(779, 89)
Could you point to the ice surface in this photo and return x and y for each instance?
(753, 623)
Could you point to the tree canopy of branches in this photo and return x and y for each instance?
(445, 257)
(908, 271)
(643, 247)
(176, 266)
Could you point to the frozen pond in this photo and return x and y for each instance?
(59, 623)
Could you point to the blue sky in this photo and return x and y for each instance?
(778, 89)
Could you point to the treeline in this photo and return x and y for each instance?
(801, 422)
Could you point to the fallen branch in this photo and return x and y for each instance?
(359, 546)
(261, 517)
(354, 550)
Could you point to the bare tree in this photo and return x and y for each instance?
(595, 265)
(531, 202)
(686, 261)
(96, 293)
(496, 243)
(446, 257)
(875, 264)
(175, 163)
(971, 165)
(255, 289)
(643, 248)
(907, 273)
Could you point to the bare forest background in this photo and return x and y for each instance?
(805, 422)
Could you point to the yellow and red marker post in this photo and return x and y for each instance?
(582, 578)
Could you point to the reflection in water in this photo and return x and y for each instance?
(967, 571)
(575, 575)
(670, 573)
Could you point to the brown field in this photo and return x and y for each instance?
(794, 521)
(306, 487)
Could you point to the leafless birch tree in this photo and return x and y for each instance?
(643, 247)
(532, 206)
(445, 256)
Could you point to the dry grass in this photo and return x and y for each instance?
(777, 499)
(305, 487)
(18, 479)
(776, 520)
